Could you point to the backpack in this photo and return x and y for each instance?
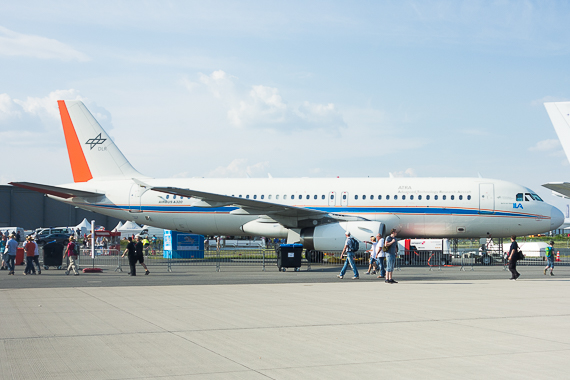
(353, 245)
(548, 251)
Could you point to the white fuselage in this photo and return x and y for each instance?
(417, 207)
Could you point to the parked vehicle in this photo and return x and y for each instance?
(58, 238)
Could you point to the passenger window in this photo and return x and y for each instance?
(356, 197)
(395, 197)
(403, 197)
(323, 196)
(411, 197)
(174, 197)
(315, 196)
(427, 197)
(263, 196)
(300, 196)
(419, 197)
(372, 197)
(435, 197)
(269, 196)
(240, 195)
(461, 197)
(469, 197)
(379, 197)
(444, 197)
(247, 196)
(452, 197)
(387, 197)
(308, 197)
(276, 197)
(255, 197)
(519, 197)
(292, 197)
(332, 196)
(167, 196)
(344, 196)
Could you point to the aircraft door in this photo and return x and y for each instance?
(332, 198)
(344, 198)
(135, 198)
(486, 198)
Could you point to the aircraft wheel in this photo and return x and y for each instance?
(487, 260)
(284, 269)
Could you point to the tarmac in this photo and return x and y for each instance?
(243, 323)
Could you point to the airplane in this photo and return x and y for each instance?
(559, 113)
(316, 212)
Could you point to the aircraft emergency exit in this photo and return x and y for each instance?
(315, 212)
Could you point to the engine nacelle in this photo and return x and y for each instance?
(331, 237)
(267, 229)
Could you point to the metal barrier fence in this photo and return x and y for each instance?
(463, 259)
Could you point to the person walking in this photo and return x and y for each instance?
(380, 256)
(130, 252)
(513, 257)
(71, 252)
(349, 249)
(11, 250)
(392, 245)
(139, 254)
(549, 258)
(30, 249)
(36, 258)
(3, 253)
(372, 250)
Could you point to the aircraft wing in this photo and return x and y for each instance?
(562, 188)
(247, 206)
(61, 192)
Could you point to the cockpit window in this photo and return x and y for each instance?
(519, 197)
(527, 197)
(536, 198)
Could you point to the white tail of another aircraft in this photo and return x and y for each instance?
(559, 113)
(92, 153)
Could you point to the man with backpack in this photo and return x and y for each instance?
(549, 258)
(72, 252)
(350, 247)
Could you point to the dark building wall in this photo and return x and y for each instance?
(29, 210)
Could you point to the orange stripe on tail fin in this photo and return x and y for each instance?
(79, 166)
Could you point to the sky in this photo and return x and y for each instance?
(290, 89)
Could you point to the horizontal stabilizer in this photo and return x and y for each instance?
(57, 191)
(562, 188)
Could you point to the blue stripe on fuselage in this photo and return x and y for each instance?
(333, 210)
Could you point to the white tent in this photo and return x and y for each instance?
(129, 228)
(84, 226)
(119, 225)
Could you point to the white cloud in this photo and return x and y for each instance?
(239, 168)
(27, 45)
(546, 146)
(406, 173)
(260, 106)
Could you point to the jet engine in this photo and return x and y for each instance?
(331, 237)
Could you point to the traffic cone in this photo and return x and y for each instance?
(557, 255)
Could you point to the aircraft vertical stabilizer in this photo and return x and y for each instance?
(92, 153)
(559, 113)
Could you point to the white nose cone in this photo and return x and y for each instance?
(556, 218)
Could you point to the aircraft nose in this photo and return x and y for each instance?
(556, 218)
